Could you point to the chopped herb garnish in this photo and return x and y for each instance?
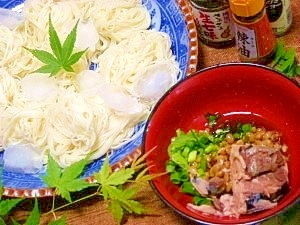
(212, 119)
(186, 149)
(242, 130)
(199, 200)
(285, 61)
(191, 153)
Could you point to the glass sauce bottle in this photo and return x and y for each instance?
(214, 22)
(280, 15)
(255, 39)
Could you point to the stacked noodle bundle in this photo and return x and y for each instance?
(66, 123)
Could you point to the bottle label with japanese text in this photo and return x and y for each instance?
(246, 42)
(255, 41)
(214, 26)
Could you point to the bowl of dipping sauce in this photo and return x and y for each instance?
(226, 140)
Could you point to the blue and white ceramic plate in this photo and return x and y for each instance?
(171, 16)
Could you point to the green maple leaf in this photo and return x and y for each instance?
(60, 221)
(14, 222)
(116, 210)
(123, 197)
(62, 57)
(7, 205)
(106, 177)
(120, 201)
(111, 188)
(34, 216)
(104, 172)
(2, 222)
(117, 207)
(66, 180)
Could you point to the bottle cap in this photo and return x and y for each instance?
(246, 8)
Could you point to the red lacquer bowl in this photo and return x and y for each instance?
(239, 91)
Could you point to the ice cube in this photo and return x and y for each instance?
(9, 18)
(23, 158)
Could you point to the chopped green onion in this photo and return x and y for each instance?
(211, 148)
(247, 127)
(185, 152)
(179, 160)
(199, 200)
(175, 178)
(170, 166)
(192, 156)
(188, 188)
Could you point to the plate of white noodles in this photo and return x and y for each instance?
(134, 52)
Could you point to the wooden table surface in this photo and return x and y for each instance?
(94, 211)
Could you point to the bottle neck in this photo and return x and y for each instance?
(210, 3)
(250, 18)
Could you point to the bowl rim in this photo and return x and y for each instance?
(198, 73)
(229, 64)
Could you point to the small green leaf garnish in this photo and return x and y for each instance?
(118, 188)
(34, 217)
(212, 119)
(111, 188)
(279, 53)
(66, 180)
(2, 222)
(60, 221)
(62, 57)
(117, 211)
(109, 180)
(285, 61)
(120, 201)
(242, 130)
(13, 221)
(199, 200)
(7, 205)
